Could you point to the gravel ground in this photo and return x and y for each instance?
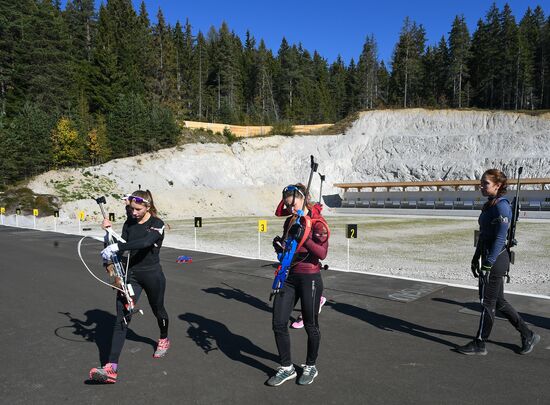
(437, 249)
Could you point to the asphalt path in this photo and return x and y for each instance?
(384, 340)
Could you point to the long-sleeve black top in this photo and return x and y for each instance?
(144, 242)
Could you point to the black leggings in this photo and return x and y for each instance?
(154, 284)
(308, 288)
(491, 295)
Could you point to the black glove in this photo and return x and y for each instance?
(296, 231)
(278, 244)
(475, 268)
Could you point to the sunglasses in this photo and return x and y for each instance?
(292, 188)
(137, 199)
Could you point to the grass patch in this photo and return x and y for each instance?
(80, 189)
(200, 135)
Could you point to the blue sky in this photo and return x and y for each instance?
(331, 27)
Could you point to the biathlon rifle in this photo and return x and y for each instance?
(511, 239)
(120, 273)
(286, 257)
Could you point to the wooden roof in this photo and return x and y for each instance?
(437, 184)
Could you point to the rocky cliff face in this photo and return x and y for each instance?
(246, 177)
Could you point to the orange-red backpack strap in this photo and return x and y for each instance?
(306, 223)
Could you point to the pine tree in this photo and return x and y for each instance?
(407, 64)
(459, 53)
(430, 90)
(286, 78)
(161, 44)
(486, 60)
(202, 76)
(367, 69)
(41, 60)
(509, 50)
(25, 146)
(323, 108)
(337, 88)
(542, 60)
(352, 102)
(265, 99)
(145, 58)
(189, 73)
(11, 16)
(383, 84)
(304, 91)
(80, 17)
(250, 74)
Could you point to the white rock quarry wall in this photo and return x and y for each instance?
(247, 177)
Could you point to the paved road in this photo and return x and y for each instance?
(384, 341)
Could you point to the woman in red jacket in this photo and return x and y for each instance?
(304, 283)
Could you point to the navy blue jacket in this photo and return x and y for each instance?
(494, 222)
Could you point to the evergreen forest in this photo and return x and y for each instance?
(80, 85)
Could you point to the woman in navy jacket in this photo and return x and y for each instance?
(494, 222)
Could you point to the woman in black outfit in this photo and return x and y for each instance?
(143, 233)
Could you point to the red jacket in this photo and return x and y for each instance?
(315, 248)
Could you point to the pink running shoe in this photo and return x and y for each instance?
(323, 300)
(162, 347)
(105, 374)
(298, 323)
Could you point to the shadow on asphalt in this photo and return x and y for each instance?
(97, 328)
(535, 320)
(392, 324)
(232, 293)
(210, 335)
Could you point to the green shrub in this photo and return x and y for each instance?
(230, 136)
(282, 128)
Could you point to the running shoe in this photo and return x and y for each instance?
(298, 323)
(323, 300)
(106, 374)
(527, 344)
(282, 375)
(476, 346)
(308, 375)
(162, 347)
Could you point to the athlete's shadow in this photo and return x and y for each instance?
(209, 335)
(237, 294)
(389, 323)
(534, 320)
(97, 328)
